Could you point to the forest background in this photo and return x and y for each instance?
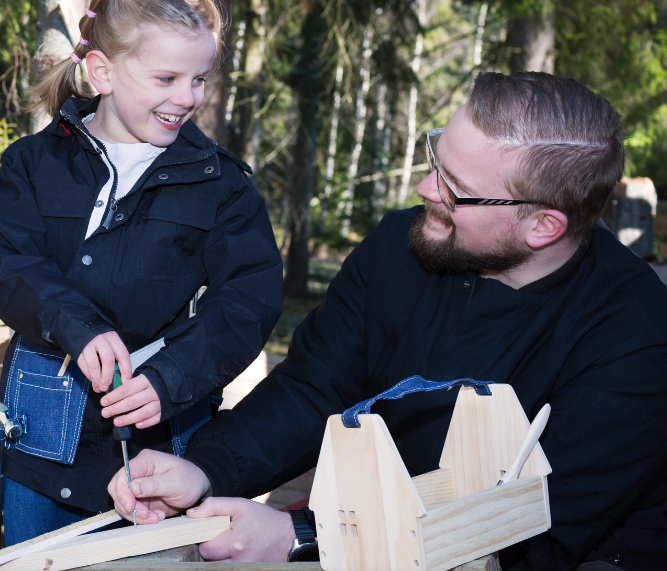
(329, 100)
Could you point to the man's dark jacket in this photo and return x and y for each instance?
(192, 219)
(590, 339)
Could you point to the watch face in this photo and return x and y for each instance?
(305, 552)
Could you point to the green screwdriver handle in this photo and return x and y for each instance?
(119, 432)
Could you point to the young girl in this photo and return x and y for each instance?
(111, 219)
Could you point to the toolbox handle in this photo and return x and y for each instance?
(414, 384)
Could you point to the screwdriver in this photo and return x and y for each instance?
(123, 434)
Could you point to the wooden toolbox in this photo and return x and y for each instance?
(372, 516)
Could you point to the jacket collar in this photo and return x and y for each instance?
(190, 139)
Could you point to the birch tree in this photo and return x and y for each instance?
(347, 197)
(412, 107)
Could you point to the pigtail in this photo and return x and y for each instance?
(55, 85)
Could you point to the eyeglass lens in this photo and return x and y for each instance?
(444, 190)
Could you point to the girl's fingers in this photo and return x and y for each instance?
(152, 421)
(122, 356)
(128, 388)
(142, 414)
(127, 404)
(108, 360)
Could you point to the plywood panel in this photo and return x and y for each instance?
(435, 487)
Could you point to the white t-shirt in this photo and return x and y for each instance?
(131, 161)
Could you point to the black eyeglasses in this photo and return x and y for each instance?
(449, 196)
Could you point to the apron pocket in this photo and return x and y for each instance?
(53, 406)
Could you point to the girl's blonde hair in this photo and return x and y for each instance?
(112, 31)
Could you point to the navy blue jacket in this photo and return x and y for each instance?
(192, 219)
(590, 339)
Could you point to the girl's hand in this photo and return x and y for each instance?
(136, 395)
(98, 358)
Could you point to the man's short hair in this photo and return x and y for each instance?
(571, 140)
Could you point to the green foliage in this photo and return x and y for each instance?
(8, 134)
(619, 49)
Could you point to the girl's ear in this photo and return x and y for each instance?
(547, 227)
(99, 71)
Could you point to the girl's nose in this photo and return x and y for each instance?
(184, 98)
(428, 188)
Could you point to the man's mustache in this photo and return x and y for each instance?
(438, 211)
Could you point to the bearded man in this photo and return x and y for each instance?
(503, 275)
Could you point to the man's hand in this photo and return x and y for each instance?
(98, 358)
(137, 393)
(163, 485)
(258, 532)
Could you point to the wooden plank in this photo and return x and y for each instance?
(58, 536)
(476, 525)
(435, 487)
(484, 437)
(365, 503)
(119, 543)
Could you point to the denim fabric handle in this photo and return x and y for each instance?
(414, 384)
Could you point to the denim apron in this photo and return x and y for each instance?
(52, 407)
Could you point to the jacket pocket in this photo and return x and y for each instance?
(52, 406)
(172, 225)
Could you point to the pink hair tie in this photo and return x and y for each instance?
(82, 41)
(75, 58)
(90, 13)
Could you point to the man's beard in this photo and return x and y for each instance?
(448, 256)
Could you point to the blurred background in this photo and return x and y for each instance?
(329, 101)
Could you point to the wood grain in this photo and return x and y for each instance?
(476, 525)
(435, 487)
(365, 503)
(118, 543)
(484, 437)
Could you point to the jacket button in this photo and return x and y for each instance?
(65, 493)
(209, 170)
(119, 217)
(87, 260)
(163, 176)
(466, 284)
(99, 204)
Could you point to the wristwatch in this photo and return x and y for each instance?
(305, 544)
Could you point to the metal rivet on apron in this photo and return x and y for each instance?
(20, 375)
(163, 176)
(119, 217)
(209, 170)
(65, 383)
(87, 260)
(65, 493)
(99, 204)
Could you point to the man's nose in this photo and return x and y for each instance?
(428, 188)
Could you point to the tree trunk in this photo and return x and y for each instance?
(347, 198)
(333, 138)
(479, 35)
(253, 80)
(412, 110)
(533, 41)
(236, 64)
(306, 82)
(381, 160)
(57, 35)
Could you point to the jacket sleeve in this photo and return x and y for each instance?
(236, 313)
(274, 434)
(35, 298)
(606, 444)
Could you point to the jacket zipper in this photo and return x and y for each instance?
(113, 203)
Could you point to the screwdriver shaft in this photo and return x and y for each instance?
(126, 461)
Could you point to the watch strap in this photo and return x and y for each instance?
(302, 528)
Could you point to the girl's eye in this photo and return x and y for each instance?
(166, 79)
(199, 81)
